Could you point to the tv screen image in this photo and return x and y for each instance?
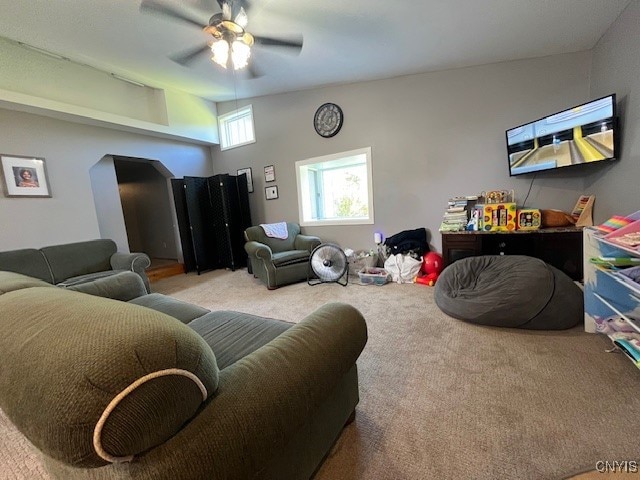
(582, 134)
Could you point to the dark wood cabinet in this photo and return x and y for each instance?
(560, 247)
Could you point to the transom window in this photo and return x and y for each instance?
(336, 189)
(236, 128)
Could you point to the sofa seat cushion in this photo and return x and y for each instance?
(234, 335)
(90, 380)
(290, 257)
(123, 286)
(183, 311)
(88, 277)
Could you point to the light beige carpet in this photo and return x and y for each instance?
(442, 399)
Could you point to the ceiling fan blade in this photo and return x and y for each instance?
(235, 5)
(241, 18)
(226, 11)
(276, 42)
(187, 57)
(170, 11)
(207, 5)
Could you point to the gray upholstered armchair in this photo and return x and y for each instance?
(279, 262)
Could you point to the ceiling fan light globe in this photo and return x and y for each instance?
(240, 53)
(220, 51)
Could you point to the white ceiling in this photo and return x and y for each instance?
(344, 40)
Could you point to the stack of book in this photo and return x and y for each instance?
(458, 213)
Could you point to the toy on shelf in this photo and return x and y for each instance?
(529, 219)
(497, 211)
(497, 196)
(499, 217)
(583, 211)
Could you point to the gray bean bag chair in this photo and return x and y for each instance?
(509, 291)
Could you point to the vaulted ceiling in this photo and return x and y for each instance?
(344, 41)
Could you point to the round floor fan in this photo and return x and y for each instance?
(329, 264)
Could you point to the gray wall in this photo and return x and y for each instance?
(109, 213)
(616, 69)
(432, 135)
(70, 150)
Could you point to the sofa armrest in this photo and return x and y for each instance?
(264, 398)
(134, 262)
(258, 250)
(306, 242)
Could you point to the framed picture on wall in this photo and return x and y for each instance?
(24, 176)
(269, 173)
(271, 193)
(247, 171)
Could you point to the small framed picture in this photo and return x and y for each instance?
(24, 176)
(271, 193)
(247, 171)
(269, 173)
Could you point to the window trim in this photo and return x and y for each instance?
(335, 221)
(234, 113)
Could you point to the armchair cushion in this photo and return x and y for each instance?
(290, 257)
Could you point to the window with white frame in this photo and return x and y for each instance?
(236, 128)
(336, 189)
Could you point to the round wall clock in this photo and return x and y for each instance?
(328, 120)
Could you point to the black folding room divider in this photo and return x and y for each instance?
(213, 213)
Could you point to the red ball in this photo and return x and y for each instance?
(432, 263)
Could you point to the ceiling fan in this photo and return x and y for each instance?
(231, 45)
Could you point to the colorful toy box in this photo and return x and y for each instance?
(499, 217)
(529, 219)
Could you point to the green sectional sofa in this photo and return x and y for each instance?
(149, 387)
(74, 263)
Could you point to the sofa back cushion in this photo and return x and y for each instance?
(276, 245)
(27, 261)
(75, 259)
(90, 380)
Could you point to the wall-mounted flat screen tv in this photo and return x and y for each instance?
(583, 134)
